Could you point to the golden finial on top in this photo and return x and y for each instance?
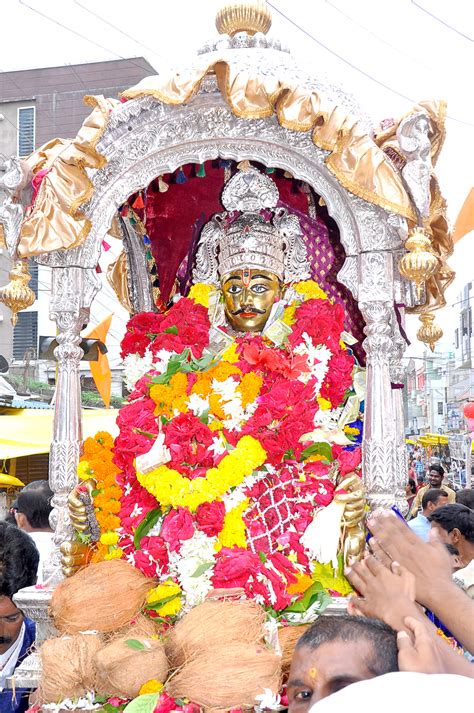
(250, 17)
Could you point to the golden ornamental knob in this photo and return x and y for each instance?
(429, 332)
(420, 262)
(17, 295)
(250, 17)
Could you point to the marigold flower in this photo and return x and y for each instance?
(151, 686)
(200, 293)
(310, 290)
(109, 538)
(169, 593)
(84, 471)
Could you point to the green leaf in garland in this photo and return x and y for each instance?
(332, 579)
(149, 521)
(313, 594)
(143, 704)
(202, 568)
(135, 644)
(171, 330)
(320, 449)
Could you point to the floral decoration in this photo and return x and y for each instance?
(225, 457)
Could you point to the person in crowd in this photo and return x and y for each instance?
(32, 510)
(410, 491)
(335, 652)
(466, 497)
(18, 565)
(455, 525)
(431, 500)
(423, 572)
(411, 469)
(419, 467)
(420, 481)
(435, 480)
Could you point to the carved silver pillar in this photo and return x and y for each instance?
(72, 291)
(397, 376)
(379, 443)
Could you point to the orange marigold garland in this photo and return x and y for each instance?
(97, 463)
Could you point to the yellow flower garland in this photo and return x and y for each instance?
(171, 489)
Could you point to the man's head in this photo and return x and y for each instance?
(335, 652)
(435, 475)
(466, 497)
(32, 509)
(19, 560)
(432, 499)
(455, 525)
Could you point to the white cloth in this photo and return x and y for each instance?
(402, 692)
(465, 578)
(10, 657)
(44, 545)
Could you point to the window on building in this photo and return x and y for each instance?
(26, 131)
(440, 408)
(25, 335)
(456, 338)
(33, 284)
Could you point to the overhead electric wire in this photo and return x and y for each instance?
(114, 27)
(377, 37)
(443, 22)
(78, 34)
(353, 66)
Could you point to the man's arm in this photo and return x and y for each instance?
(430, 564)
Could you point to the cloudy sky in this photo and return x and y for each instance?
(388, 54)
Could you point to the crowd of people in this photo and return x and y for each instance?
(411, 616)
(26, 540)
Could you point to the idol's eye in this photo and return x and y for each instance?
(234, 289)
(259, 289)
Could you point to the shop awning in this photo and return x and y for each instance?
(25, 432)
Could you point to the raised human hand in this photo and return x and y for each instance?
(418, 649)
(429, 562)
(387, 594)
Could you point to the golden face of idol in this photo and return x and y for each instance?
(248, 298)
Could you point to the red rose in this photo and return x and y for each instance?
(189, 440)
(210, 517)
(233, 567)
(339, 377)
(166, 704)
(349, 460)
(177, 526)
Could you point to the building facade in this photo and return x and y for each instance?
(36, 106)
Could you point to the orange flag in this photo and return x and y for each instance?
(100, 369)
(465, 220)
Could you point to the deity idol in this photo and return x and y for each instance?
(232, 468)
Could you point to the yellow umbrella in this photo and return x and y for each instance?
(9, 481)
(25, 432)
